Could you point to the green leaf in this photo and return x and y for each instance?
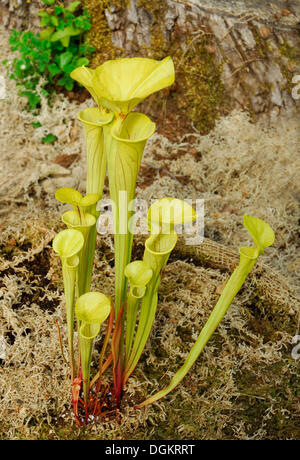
(31, 84)
(82, 61)
(67, 32)
(65, 41)
(54, 21)
(36, 124)
(45, 21)
(43, 14)
(58, 10)
(69, 85)
(44, 92)
(53, 70)
(46, 33)
(20, 67)
(65, 59)
(33, 99)
(73, 6)
(48, 2)
(49, 139)
(41, 68)
(62, 81)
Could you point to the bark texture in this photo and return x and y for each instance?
(234, 54)
(256, 43)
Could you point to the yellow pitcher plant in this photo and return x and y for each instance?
(92, 309)
(80, 219)
(263, 236)
(68, 245)
(118, 86)
(163, 216)
(115, 138)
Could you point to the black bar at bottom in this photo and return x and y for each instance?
(140, 449)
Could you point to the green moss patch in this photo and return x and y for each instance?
(198, 95)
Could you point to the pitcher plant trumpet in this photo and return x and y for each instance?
(263, 236)
(125, 141)
(68, 245)
(92, 309)
(119, 85)
(80, 219)
(115, 140)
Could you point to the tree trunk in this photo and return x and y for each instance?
(228, 54)
(19, 14)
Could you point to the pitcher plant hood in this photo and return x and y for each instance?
(68, 243)
(93, 307)
(75, 199)
(139, 273)
(168, 212)
(93, 116)
(262, 233)
(84, 76)
(121, 84)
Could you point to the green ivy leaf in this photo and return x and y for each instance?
(67, 32)
(73, 6)
(65, 59)
(46, 33)
(82, 61)
(62, 81)
(69, 84)
(65, 41)
(54, 21)
(53, 70)
(58, 10)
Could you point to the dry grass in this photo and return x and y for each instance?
(246, 384)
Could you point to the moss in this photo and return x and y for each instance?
(155, 7)
(200, 91)
(293, 55)
(100, 35)
(262, 47)
(264, 393)
(286, 51)
(199, 94)
(291, 52)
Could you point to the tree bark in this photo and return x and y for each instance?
(19, 14)
(251, 48)
(256, 42)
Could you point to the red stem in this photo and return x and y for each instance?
(118, 359)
